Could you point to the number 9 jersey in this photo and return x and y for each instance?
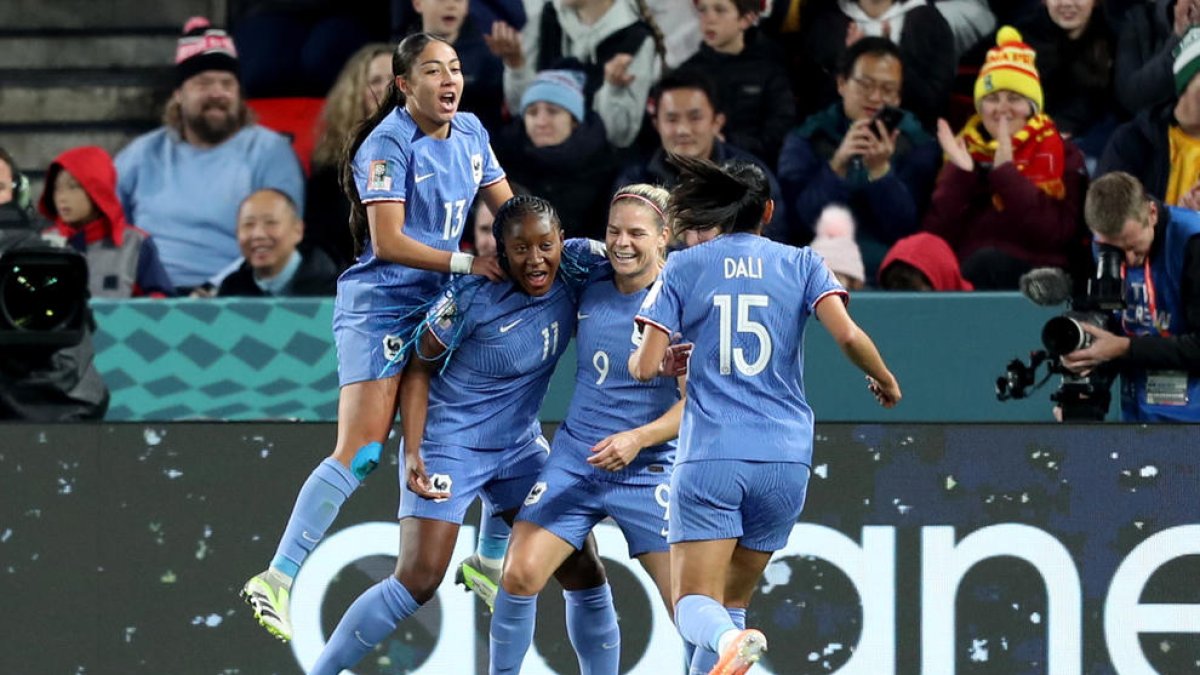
(743, 301)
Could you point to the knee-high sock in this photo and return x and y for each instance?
(327, 488)
(511, 632)
(702, 621)
(704, 660)
(592, 627)
(368, 621)
(493, 538)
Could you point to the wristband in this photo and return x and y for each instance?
(460, 263)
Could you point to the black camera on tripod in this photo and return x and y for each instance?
(43, 288)
(1081, 397)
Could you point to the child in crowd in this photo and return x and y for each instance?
(80, 198)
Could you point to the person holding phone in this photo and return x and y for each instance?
(864, 152)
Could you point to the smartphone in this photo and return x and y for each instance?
(890, 115)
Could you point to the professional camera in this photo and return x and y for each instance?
(43, 288)
(1082, 397)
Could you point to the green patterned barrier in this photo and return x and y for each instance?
(274, 359)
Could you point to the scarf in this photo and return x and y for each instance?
(1037, 151)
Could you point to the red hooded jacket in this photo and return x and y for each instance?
(122, 260)
(931, 255)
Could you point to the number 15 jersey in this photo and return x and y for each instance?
(743, 301)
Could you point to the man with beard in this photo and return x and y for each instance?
(183, 182)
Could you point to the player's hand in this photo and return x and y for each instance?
(488, 266)
(416, 478)
(675, 360)
(886, 393)
(505, 43)
(617, 451)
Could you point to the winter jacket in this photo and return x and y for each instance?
(1141, 148)
(884, 210)
(574, 175)
(123, 260)
(755, 95)
(932, 256)
(1032, 226)
(1076, 75)
(316, 276)
(1143, 66)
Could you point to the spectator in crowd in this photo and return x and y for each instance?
(80, 199)
(781, 24)
(1147, 40)
(1161, 146)
(358, 93)
(1009, 12)
(297, 47)
(269, 231)
(614, 41)
(1156, 343)
(835, 242)
(559, 152)
(183, 182)
(484, 12)
(1075, 51)
(14, 189)
(689, 123)
(1010, 195)
(847, 154)
(483, 242)
(921, 32)
(483, 74)
(680, 27)
(922, 262)
(754, 89)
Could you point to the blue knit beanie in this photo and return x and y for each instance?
(563, 88)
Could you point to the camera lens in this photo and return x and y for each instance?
(1063, 335)
(38, 297)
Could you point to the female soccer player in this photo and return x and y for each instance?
(612, 456)
(411, 174)
(745, 443)
(481, 434)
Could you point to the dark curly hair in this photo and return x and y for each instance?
(512, 211)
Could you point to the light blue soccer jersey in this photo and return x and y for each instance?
(436, 179)
(607, 400)
(508, 344)
(743, 301)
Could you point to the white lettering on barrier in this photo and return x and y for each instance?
(1125, 618)
(664, 653)
(944, 564)
(870, 567)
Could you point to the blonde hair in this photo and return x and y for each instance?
(646, 195)
(1112, 200)
(343, 108)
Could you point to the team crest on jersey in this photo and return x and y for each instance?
(535, 493)
(392, 346)
(477, 168)
(440, 482)
(379, 177)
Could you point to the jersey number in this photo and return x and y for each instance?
(549, 340)
(729, 355)
(600, 361)
(453, 226)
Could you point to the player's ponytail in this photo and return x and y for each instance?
(403, 59)
(732, 196)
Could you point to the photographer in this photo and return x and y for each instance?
(1159, 354)
(39, 380)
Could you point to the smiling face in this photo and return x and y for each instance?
(1071, 15)
(208, 105)
(533, 245)
(687, 122)
(71, 201)
(268, 231)
(1004, 104)
(634, 239)
(433, 87)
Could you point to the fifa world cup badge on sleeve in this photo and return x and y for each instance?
(380, 175)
